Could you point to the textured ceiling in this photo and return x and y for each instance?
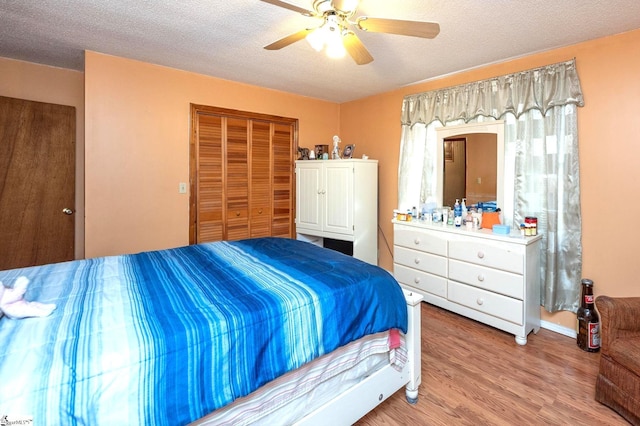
(225, 38)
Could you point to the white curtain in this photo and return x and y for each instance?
(541, 178)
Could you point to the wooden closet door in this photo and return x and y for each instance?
(237, 179)
(208, 156)
(260, 179)
(241, 175)
(283, 180)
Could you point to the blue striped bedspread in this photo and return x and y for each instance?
(165, 337)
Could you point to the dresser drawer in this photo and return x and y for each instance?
(420, 260)
(497, 305)
(421, 281)
(507, 257)
(422, 241)
(494, 280)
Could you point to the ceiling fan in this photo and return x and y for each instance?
(335, 35)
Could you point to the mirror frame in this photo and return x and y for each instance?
(496, 127)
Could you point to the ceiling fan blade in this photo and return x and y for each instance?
(290, 39)
(397, 26)
(290, 6)
(356, 49)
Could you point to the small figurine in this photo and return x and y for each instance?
(303, 153)
(335, 154)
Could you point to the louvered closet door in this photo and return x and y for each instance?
(209, 183)
(237, 179)
(283, 180)
(260, 187)
(242, 175)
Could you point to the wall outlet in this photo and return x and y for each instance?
(182, 188)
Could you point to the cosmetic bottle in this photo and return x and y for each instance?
(457, 213)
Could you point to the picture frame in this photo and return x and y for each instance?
(321, 149)
(347, 153)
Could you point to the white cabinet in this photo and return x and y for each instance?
(338, 199)
(491, 278)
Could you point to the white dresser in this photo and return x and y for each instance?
(494, 279)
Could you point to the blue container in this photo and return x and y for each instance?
(501, 229)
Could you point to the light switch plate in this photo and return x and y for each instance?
(182, 188)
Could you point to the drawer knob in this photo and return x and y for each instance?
(481, 278)
(237, 214)
(417, 241)
(480, 301)
(480, 255)
(417, 260)
(416, 280)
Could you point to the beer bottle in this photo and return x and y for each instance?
(588, 320)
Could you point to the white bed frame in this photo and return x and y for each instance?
(347, 407)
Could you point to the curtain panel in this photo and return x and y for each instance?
(541, 171)
(540, 89)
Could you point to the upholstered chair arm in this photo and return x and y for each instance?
(619, 318)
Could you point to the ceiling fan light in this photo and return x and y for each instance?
(335, 49)
(316, 39)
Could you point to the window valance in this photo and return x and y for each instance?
(540, 88)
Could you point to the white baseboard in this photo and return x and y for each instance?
(558, 328)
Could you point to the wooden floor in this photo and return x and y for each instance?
(473, 374)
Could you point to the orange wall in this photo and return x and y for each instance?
(137, 133)
(137, 146)
(608, 129)
(34, 82)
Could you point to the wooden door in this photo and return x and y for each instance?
(241, 175)
(209, 204)
(237, 179)
(283, 193)
(454, 177)
(260, 179)
(37, 183)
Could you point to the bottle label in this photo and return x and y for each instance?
(594, 335)
(588, 298)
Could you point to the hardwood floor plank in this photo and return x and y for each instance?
(473, 374)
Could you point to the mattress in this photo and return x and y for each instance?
(291, 396)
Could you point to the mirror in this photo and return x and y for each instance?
(470, 163)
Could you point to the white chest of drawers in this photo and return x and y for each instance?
(494, 279)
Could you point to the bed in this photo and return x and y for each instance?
(243, 332)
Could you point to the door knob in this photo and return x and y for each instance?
(67, 211)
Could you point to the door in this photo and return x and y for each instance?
(338, 183)
(237, 179)
(37, 183)
(309, 196)
(241, 175)
(454, 178)
(283, 146)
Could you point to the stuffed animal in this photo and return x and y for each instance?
(13, 305)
